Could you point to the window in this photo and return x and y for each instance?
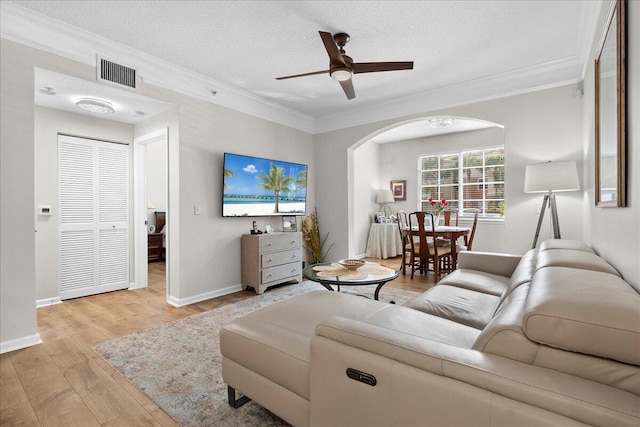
(468, 180)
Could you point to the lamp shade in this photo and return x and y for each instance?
(385, 196)
(551, 176)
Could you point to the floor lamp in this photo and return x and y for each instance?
(550, 177)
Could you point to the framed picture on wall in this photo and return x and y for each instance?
(398, 188)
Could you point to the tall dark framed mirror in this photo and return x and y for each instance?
(610, 111)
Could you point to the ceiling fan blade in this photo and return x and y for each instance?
(347, 86)
(302, 75)
(332, 48)
(374, 67)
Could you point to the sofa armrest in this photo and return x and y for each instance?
(489, 262)
(564, 394)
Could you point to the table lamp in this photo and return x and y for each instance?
(384, 198)
(550, 177)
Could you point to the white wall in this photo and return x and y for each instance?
(207, 246)
(47, 124)
(17, 209)
(366, 176)
(615, 232)
(538, 126)
(399, 160)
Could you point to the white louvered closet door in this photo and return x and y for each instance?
(94, 216)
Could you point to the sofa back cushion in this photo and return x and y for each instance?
(584, 311)
(574, 258)
(504, 335)
(575, 245)
(522, 274)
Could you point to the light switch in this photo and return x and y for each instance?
(196, 209)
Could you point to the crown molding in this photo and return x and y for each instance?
(530, 79)
(41, 32)
(32, 29)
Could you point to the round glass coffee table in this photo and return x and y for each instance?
(333, 274)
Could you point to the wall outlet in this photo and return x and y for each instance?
(196, 209)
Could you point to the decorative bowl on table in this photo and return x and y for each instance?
(351, 264)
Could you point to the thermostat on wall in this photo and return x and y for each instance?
(44, 210)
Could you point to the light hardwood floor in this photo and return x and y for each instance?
(63, 382)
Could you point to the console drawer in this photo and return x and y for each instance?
(281, 272)
(280, 242)
(273, 259)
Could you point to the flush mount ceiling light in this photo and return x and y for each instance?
(440, 123)
(95, 106)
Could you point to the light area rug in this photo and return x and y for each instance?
(178, 364)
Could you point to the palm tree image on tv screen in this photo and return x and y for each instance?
(254, 186)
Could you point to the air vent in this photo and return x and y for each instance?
(115, 73)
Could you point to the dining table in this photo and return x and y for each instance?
(450, 232)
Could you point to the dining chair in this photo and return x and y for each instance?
(405, 235)
(451, 218)
(423, 249)
(468, 239)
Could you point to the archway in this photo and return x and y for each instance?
(392, 152)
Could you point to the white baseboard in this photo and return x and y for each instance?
(181, 302)
(19, 343)
(133, 286)
(47, 302)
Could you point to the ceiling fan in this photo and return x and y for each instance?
(342, 67)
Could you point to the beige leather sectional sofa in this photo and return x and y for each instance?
(549, 338)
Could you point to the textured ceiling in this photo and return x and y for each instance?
(247, 44)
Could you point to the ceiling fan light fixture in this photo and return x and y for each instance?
(441, 122)
(95, 106)
(341, 74)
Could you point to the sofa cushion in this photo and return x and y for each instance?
(584, 311)
(274, 341)
(575, 245)
(460, 305)
(573, 258)
(474, 280)
(424, 326)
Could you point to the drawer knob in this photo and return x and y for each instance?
(270, 275)
(268, 244)
(270, 260)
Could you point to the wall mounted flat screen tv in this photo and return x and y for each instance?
(254, 186)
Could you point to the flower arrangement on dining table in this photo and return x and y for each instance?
(438, 206)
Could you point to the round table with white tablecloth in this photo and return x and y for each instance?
(384, 241)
